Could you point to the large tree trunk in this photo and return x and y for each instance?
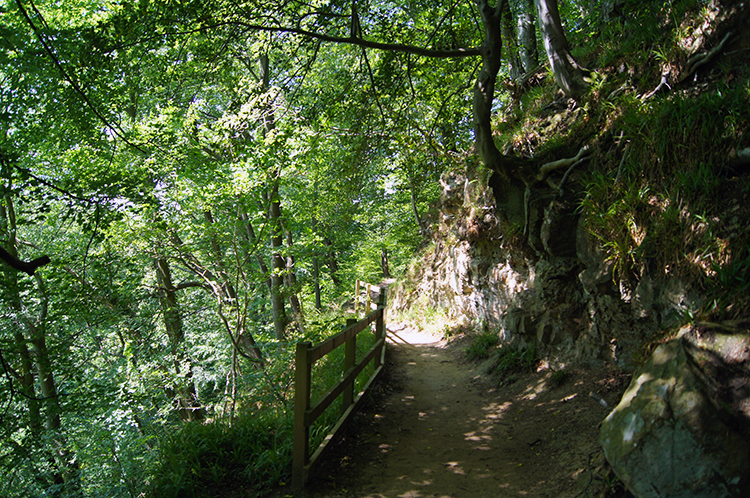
(484, 87)
(65, 463)
(278, 265)
(184, 395)
(568, 74)
(484, 93)
(526, 29)
(32, 330)
(12, 296)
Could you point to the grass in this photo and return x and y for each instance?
(667, 207)
(729, 296)
(482, 346)
(202, 459)
(511, 361)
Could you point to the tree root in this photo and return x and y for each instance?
(561, 191)
(698, 60)
(544, 172)
(549, 167)
(693, 64)
(663, 83)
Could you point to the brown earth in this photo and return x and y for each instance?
(440, 426)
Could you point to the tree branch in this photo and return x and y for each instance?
(28, 268)
(392, 47)
(116, 129)
(188, 285)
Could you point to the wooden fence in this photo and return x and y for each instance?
(305, 414)
(364, 301)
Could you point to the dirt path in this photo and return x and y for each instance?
(442, 430)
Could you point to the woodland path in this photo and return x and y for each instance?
(441, 428)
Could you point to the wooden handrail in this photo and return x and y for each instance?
(303, 465)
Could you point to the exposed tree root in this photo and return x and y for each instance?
(549, 167)
(698, 60)
(544, 172)
(693, 64)
(560, 188)
(663, 83)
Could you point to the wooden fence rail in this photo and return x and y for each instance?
(305, 413)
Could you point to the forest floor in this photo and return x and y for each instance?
(439, 426)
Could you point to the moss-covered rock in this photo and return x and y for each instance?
(681, 428)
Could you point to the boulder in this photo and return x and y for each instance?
(682, 428)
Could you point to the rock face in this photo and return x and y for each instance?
(682, 429)
(526, 267)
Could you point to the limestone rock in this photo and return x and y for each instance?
(682, 427)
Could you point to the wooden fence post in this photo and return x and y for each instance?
(367, 307)
(350, 357)
(380, 327)
(356, 299)
(301, 447)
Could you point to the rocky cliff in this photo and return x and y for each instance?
(553, 286)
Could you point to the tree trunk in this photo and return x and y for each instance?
(12, 294)
(290, 277)
(508, 29)
(64, 465)
(278, 265)
(415, 210)
(484, 94)
(568, 74)
(316, 283)
(316, 263)
(184, 396)
(48, 389)
(251, 240)
(332, 262)
(384, 263)
(526, 29)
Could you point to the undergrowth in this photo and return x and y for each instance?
(511, 361)
(251, 447)
(664, 201)
(482, 346)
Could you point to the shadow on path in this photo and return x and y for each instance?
(441, 429)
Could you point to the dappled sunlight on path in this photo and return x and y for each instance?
(444, 430)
